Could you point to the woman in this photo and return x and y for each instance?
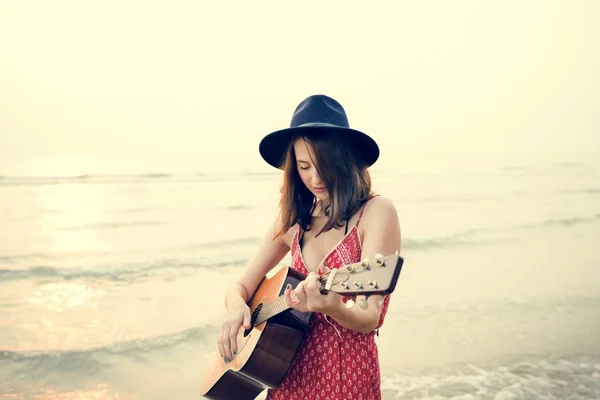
(328, 218)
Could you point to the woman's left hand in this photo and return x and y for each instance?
(306, 297)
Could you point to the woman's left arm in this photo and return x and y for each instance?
(381, 236)
(381, 229)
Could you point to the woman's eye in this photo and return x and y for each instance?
(304, 168)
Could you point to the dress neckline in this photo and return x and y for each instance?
(347, 235)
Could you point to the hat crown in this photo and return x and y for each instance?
(319, 110)
(318, 115)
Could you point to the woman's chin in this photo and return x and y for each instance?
(321, 196)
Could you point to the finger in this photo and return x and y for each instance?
(310, 283)
(233, 341)
(287, 295)
(247, 319)
(294, 297)
(300, 289)
(220, 344)
(226, 346)
(300, 292)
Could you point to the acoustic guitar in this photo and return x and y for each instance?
(266, 350)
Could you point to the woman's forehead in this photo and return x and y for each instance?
(303, 150)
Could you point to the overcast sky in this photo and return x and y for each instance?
(89, 86)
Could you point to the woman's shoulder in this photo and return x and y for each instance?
(380, 203)
(287, 236)
(379, 209)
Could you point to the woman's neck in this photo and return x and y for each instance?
(318, 210)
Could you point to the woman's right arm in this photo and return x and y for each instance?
(269, 253)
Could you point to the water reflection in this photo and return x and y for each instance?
(100, 391)
(61, 296)
(72, 205)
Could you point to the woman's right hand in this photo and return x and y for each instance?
(237, 315)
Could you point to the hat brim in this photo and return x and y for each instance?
(272, 147)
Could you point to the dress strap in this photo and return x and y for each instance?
(299, 236)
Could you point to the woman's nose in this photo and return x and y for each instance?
(316, 180)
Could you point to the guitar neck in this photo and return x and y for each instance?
(361, 278)
(269, 310)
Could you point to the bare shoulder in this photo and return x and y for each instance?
(381, 227)
(380, 208)
(288, 236)
(380, 213)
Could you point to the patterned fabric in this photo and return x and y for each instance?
(333, 363)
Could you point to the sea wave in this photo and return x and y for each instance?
(76, 358)
(238, 207)
(136, 270)
(589, 190)
(111, 225)
(482, 236)
(567, 221)
(24, 258)
(133, 178)
(573, 377)
(95, 179)
(116, 273)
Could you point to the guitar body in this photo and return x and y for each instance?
(265, 352)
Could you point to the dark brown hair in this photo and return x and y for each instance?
(344, 174)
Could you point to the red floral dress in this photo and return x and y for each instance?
(333, 363)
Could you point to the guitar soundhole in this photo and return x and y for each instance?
(253, 319)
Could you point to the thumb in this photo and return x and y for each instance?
(247, 318)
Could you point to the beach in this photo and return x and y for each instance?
(111, 286)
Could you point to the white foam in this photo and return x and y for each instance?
(573, 378)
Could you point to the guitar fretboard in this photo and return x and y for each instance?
(364, 278)
(271, 309)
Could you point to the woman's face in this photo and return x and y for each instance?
(307, 170)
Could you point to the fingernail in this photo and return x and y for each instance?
(234, 352)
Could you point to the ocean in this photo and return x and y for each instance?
(111, 286)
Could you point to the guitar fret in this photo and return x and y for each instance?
(271, 309)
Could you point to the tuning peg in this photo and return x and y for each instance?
(373, 284)
(365, 264)
(350, 268)
(379, 260)
(349, 303)
(363, 303)
(358, 285)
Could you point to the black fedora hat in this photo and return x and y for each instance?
(317, 114)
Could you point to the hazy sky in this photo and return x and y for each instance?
(89, 86)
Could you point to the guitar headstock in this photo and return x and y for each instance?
(368, 277)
